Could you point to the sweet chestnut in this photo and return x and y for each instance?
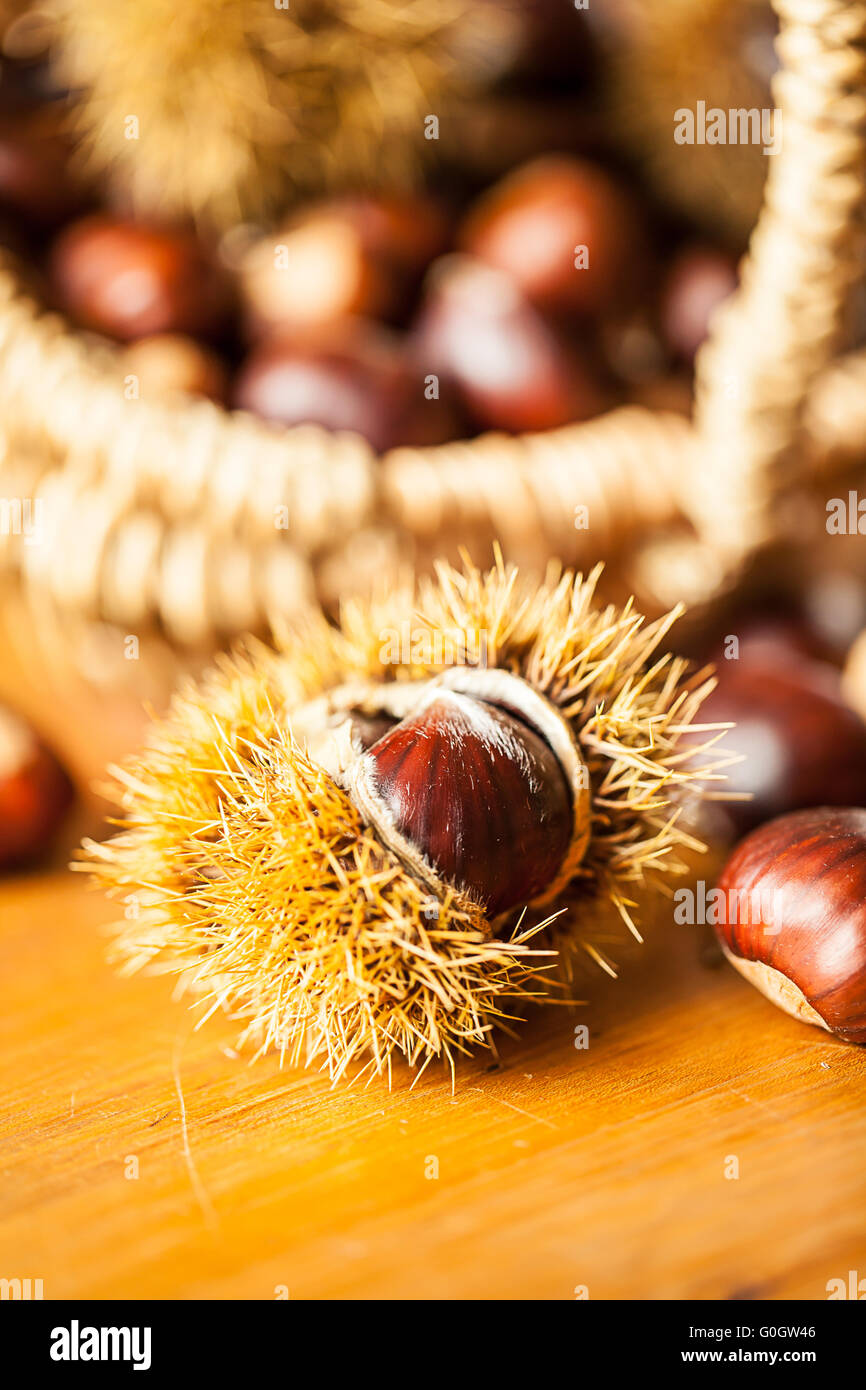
(128, 280)
(342, 258)
(35, 793)
(36, 183)
(354, 378)
(514, 371)
(800, 743)
(565, 231)
(792, 917)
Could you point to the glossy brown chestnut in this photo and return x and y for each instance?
(532, 224)
(800, 884)
(481, 795)
(350, 256)
(35, 793)
(514, 371)
(129, 281)
(801, 744)
(355, 378)
(699, 279)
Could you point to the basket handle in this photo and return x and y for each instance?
(784, 324)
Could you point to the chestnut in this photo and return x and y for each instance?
(801, 744)
(519, 796)
(350, 256)
(792, 916)
(35, 179)
(533, 224)
(35, 792)
(519, 782)
(355, 378)
(171, 362)
(698, 280)
(514, 371)
(128, 280)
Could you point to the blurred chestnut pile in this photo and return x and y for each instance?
(414, 319)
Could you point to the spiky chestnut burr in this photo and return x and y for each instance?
(288, 850)
(239, 107)
(794, 918)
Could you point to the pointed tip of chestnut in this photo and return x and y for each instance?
(794, 910)
(482, 796)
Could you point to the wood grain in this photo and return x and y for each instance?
(604, 1167)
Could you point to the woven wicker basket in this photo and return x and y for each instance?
(157, 538)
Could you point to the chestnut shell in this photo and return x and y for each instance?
(129, 280)
(802, 745)
(480, 795)
(816, 861)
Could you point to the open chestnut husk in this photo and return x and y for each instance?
(473, 764)
(418, 814)
(792, 918)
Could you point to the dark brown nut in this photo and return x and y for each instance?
(344, 258)
(36, 183)
(353, 378)
(35, 793)
(479, 794)
(801, 744)
(566, 233)
(515, 371)
(793, 916)
(129, 281)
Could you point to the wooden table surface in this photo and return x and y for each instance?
(604, 1168)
